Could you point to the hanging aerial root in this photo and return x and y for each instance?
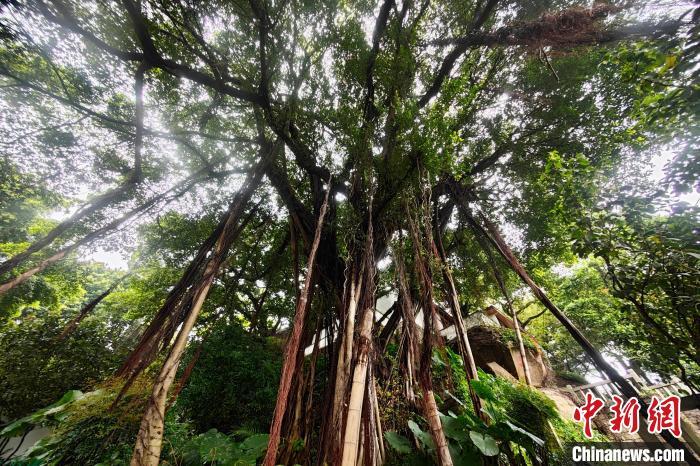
(289, 362)
(88, 308)
(150, 437)
(465, 348)
(422, 240)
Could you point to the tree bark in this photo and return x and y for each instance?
(292, 348)
(150, 437)
(433, 418)
(187, 373)
(351, 440)
(343, 367)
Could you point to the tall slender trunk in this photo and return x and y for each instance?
(292, 348)
(163, 325)
(461, 331)
(176, 191)
(433, 418)
(96, 204)
(308, 422)
(150, 437)
(521, 346)
(377, 420)
(342, 374)
(509, 303)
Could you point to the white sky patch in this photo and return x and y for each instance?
(111, 259)
(658, 174)
(563, 270)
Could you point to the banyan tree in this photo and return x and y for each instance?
(393, 148)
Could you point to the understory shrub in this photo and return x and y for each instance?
(234, 382)
(36, 367)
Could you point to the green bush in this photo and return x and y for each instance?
(214, 448)
(36, 368)
(526, 405)
(86, 430)
(234, 383)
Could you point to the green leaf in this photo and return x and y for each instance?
(20, 426)
(533, 437)
(483, 389)
(453, 427)
(485, 443)
(425, 438)
(398, 442)
(254, 446)
(464, 455)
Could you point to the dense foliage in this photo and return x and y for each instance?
(242, 370)
(36, 368)
(203, 203)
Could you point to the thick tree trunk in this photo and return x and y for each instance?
(351, 440)
(433, 418)
(290, 354)
(150, 437)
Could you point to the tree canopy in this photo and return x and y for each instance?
(270, 169)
